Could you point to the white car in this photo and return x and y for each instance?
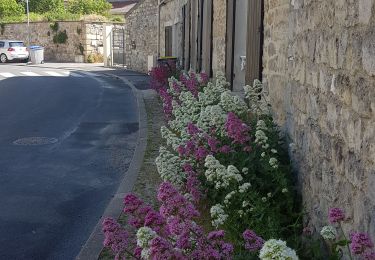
(13, 50)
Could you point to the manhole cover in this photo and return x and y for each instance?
(35, 141)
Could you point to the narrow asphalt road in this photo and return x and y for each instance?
(65, 143)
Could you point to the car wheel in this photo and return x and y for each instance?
(3, 58)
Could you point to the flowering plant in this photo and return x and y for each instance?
(224, 154)
(358, 243)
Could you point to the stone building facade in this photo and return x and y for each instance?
(83, 38)
(317, 61)
(319, 69)
(141, 34)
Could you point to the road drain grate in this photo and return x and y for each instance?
(35, 141)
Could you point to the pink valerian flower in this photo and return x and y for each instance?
(370, 255)
(201, 153)
(213, 144)
(159, 77)
(154, 220)
(236, 129)
(190, 147)
(115, 237)
(161, 248)
(336, 215)
(137, 252)
(216, 247)
(181, 150)
(203, 78)
(132, 203)
(192, 129)
(217, 234)
(141, 214)
(175, 204)
(225, 149)
(193, 186)
(253, 242)
(176, 87)
(167, 103)
(360, 242)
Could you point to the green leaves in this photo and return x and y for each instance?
(10, 7)
(100, 7)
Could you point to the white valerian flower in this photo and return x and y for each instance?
(263, 154)
(240, 212)
(285, 190)
(328, 233)
(264, 199)
(269, 194)
(244, 187)
(277, 249)
(228, 197)
(145, 253)
(172, 139)
(245, 170)
(169, 167)
(144, 236)
(273, 151)
(212, 117)
(232, 103)
(219, 175)
(256, 97)
(218, 215)
(260, 137)
(273, 162)
(245, 203)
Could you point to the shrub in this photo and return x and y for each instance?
(100, 7)
(60, 38)
(95, 58)
(10, 8)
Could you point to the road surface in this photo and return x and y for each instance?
(66, 141)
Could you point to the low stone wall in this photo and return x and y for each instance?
(141, 34)
(319, 69)
(83, 38)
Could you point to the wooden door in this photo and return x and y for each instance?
(254, 41)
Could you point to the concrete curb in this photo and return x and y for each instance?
(94, 245)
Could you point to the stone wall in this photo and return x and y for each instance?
(319, 68)
(79, 33)
(171, 15)
(219, 36)
(141, 34)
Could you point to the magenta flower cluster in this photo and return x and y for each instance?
(115, 237)
(253, 242)
(360, 243)
(236, 129)
(336, 215)
(178, 236)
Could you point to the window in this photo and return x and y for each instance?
(168, 41)
(2, 44)
(16, 44)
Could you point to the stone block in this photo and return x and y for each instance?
(368, 53)
(365, 11)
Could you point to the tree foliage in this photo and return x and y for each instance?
(43, 6)
(89, 7)
(53, 10)
(10, 7)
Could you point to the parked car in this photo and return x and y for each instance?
(13, 50)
